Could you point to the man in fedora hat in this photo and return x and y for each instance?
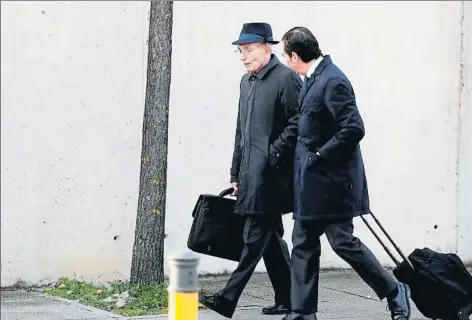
(330, 185)
(261, 171)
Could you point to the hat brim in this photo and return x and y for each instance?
(247, 38)
(241, 42)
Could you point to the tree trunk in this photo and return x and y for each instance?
(147, 265)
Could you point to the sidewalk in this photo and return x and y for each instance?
(343, 295)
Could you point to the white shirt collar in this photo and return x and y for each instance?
(313, 66)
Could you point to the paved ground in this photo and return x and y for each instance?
(342, 296)
(23, 305)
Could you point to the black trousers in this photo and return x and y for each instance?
(306, 261)
(263, 239)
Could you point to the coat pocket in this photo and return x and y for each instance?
(313, 160)
(327, 189)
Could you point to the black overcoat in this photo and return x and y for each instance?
(265, 139)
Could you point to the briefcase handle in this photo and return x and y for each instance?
(226, 192)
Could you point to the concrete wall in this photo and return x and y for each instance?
(73, 81)
(464, 237)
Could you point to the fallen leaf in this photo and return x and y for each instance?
(69, 292)
(155, 181)
(120, 303)
(61, 286)
(99, 291)
(155, 211)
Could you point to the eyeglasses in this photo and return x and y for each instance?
(246, 51)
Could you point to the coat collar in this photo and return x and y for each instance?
(313, 67)
(273, 62)
(323, 64)
(326, 60)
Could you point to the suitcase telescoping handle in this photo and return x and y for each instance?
(405, 258)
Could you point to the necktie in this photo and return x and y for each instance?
(305, 84)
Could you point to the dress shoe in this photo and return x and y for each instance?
(276, 309)
(218, 304)
(298, 316)
(400, 305)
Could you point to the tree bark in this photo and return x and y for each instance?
(147, 264)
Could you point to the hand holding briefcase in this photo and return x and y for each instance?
(216, 230)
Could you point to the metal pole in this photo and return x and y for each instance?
(183, 289)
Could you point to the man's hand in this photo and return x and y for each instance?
(236, 189)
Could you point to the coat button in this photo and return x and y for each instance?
(298, 138)
(309, 158)
(278, 155)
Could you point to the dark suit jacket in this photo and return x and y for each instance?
(332, 184)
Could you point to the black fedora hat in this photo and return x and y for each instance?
(255, 32)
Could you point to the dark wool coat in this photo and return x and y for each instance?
(265, 140)
(332, 184)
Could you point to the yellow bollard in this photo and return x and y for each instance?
(183, 290)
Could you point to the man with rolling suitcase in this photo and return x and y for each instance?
(330, 183)
(262, 168)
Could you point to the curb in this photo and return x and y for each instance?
(77, 304)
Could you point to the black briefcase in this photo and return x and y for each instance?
(216, 230)
(440, 285)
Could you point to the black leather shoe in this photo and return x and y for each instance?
(400, 305)
(298, 316)
(218, 304)
(276, 309)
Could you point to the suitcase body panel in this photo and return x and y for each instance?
(440, 285)
(216, 230)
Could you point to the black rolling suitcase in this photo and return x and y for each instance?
(216, 230)
(440, 285)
